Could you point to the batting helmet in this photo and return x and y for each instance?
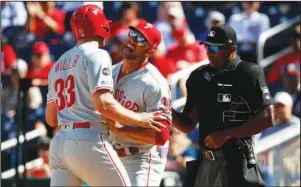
(89, 20)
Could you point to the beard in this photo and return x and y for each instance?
(128, 53)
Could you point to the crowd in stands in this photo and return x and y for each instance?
(35, 34)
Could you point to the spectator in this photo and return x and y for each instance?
(13, 14)
(45, 19)
(170, 14)
(283, 114)
(129, 12)
(249, 25)
(70, 7)
(9, 104)
(35, 119)
(35, 110)
(214, 18)
(185, 53)
(275, 74)
(165, 65)
(39, 67)
(8, 56)
(291, 80)
(43, 171)
(40, 64)
(9, 95)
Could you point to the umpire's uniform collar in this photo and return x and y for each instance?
(231, 65)
(227, 67)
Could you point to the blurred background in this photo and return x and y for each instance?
(35, 34)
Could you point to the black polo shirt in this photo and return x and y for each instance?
(227, 97)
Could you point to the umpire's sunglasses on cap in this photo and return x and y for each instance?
(141, 40)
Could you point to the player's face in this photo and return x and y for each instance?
(135, 46)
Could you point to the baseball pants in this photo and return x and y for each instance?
(82, 155)
(145, 169)
(228, 173)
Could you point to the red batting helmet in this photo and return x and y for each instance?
(88, 21)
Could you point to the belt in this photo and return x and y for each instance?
(127, 151)
(212, 155)
(83, 125)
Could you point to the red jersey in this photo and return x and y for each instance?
(8, 57)
(42, 74)
(40, 28)
(165, 65)
(190, 53)
(275, 72)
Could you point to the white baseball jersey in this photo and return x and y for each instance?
(78, 155)
(144, 90)
(74, 78)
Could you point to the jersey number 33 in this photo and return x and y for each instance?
(65, 92)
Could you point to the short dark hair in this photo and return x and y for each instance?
(130, 5)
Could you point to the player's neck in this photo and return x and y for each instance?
(92, 42)
(130, 66)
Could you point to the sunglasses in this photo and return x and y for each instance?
(213, 49)
(141, 40)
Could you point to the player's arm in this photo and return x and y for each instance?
(51, 114)
(146, 136)
(51, 109)
(105, 103)
(187, 120)
(155, 98)
(261, 99)
(184, 121)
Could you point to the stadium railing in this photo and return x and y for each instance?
(173, 81)
(271, 32)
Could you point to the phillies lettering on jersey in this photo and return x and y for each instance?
(121, 98)
(77, 75)
(144, 90)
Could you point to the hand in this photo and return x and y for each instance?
(114, 125)
(35, 9)
(32, 8)
(39, 11)
(151, 120)
(216, 140)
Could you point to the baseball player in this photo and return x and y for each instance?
(79, 98)
(139, 86)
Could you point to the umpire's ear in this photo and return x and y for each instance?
(232, 48)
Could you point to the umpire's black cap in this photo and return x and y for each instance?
(221, 35)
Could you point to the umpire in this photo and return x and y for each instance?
(230, 100)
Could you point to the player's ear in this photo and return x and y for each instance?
(150, 52)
